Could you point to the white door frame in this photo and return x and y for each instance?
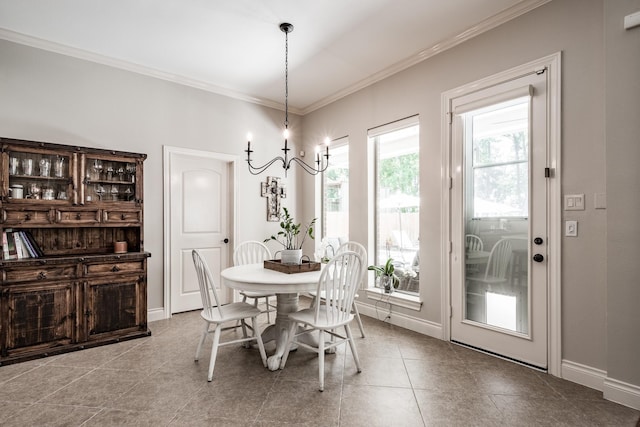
(553, 67)
(233, 181)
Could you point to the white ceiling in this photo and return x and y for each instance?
(235, 47)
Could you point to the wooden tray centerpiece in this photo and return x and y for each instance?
(277, 265)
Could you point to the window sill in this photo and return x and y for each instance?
(397, 298)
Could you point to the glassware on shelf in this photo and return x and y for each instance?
(99, 191)
(131, 172)
(96, 169)
(27, 166)
(114, 192)
(45, 167)
(128, 194)
(34, 191)
(58, 167)
(13, 165)
(109, 172)
(120, 173)
(48, 194)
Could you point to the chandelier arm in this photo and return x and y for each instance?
(260, 169)
(308, 168)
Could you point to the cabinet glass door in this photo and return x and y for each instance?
(39, 176)
(109, 180)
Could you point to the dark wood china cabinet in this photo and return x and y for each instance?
(64, 282)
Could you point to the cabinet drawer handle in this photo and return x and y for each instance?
(78, 216)
(42, 275)
(123, 217)
(27, 217)
(115, 268)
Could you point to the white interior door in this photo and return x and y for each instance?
(499, 229)
(198, 212)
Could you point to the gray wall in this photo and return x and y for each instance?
(622, 136)
(599, 303)
(49, 97)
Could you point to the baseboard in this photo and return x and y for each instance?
(421, 326)
(154, 314)
(613, 390)
(583, 375)
(622, 393)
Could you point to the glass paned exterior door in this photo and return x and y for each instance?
(496, 214)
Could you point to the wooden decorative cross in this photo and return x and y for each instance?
(273, 191)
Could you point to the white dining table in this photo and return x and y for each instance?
(254, 277)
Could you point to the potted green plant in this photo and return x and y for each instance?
(292, 236)
(388, 278)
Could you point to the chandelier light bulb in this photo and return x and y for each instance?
(286, 133)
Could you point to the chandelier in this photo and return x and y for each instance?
(322, 160)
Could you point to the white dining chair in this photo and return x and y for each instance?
(253, 252)
(497, 265)
(215, 314)
(360, 250)
(338, 283)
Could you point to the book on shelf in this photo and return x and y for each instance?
(5, 245)
(7, 236)
(28, 245)
(33, 244)
(21, 250)
(19, 245)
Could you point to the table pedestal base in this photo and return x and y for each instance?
(286, 303)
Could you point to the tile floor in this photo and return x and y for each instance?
(407, 380)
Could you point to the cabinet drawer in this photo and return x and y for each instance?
(120, 216)
(38, 273)
(26, 217)
(74, 216)
(115, 267)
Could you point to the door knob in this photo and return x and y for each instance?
(538, 258)
(226, 240)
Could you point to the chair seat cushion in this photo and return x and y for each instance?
(327, 318)
(234, 311)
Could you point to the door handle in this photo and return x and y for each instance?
(538, 240)
(225, 240)
(538, 258)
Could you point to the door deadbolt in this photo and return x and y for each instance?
(226, 240)
(538, 240)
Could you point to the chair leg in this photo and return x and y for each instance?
(321, 358)
(258, 336)
(268, 315)
(352, 345)
(357, 313)
(214, 352)
(202, 338)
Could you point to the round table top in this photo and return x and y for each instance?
(254, 277)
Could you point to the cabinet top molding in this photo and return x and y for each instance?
(6, 142)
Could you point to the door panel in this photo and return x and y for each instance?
(498, 294)
(198, 220)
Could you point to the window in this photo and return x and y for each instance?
(499, 160)
(335, 198)
(397, 199)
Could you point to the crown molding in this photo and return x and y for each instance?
(486, 25)
(85, 55)
(483, 26)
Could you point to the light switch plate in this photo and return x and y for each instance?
(571, 228)
(574, 202)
